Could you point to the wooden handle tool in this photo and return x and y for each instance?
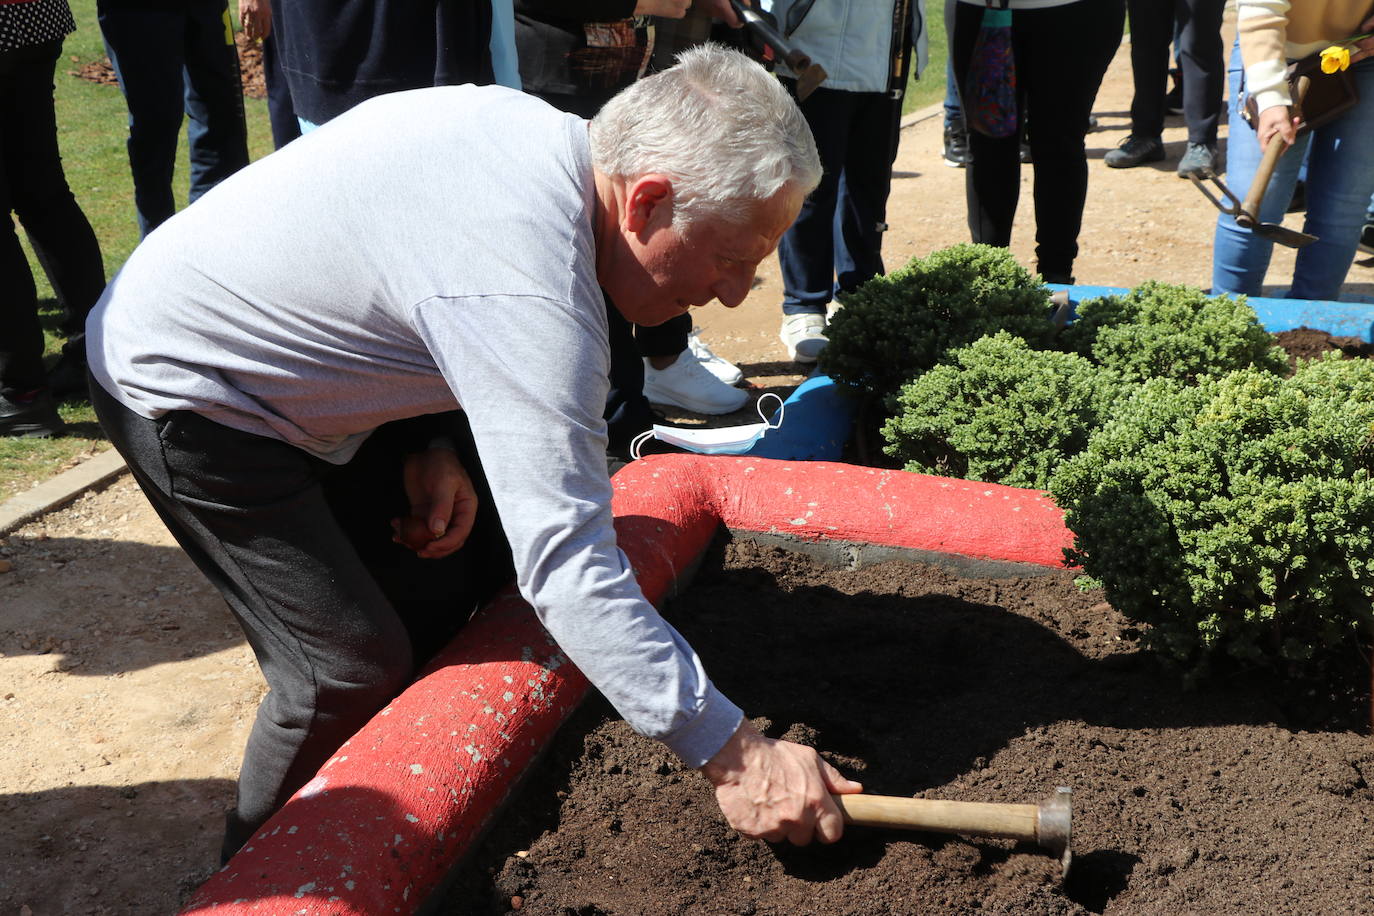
(1047, 824)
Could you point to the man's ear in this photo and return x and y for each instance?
(649, 202)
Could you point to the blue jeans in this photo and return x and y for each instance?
(169, 61)
(1340, 181)
(835, 245)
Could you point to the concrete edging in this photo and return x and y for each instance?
(385, 819)
(58, 491)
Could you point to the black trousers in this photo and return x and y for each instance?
(1062, 53)
(339, 617)
(1201, 58)
(34, 187)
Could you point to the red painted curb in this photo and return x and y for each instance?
(381, 824)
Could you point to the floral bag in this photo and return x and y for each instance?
(990, 88)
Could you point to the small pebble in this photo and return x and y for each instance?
(5, 566)
(517, 902)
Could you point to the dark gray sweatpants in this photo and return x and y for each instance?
(340, 618)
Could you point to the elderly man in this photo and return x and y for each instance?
(431, 250)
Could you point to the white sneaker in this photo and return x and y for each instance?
(722, 369)
(804, 336)
(689, 384)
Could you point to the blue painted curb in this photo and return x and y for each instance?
(1344, 319)
(816, 422)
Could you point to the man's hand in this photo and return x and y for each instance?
(443, 504)
(1276, 119)
(256, 16)
(776, 790)
(1365, 46)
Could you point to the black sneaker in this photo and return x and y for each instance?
(1367, 238)
(30, 415)
(1025, 152)
(1199, 161)
(1135, 151)
(956, 148)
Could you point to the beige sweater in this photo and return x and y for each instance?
(1272, 32)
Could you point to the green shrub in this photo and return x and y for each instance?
(1235, 516)
(1000, 412)
(1162, 331)
(895, 327)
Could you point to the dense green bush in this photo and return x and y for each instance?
(895, 327)
(1162, 331)
(999, 411)
(1236, 515)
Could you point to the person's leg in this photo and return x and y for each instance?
(217, 131)
(1340, 180)
(61, 236)
(992, 181)
(1240, 258)
(25, 87)
(1152, 29)
(866, 181)
(252, 513)
(956, 154)
(1203, 58)
(280, 114)
(627, 411)
(1062, 54)
(144, 46)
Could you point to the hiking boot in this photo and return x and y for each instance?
(1135, 151)
(30, 415)
(722, 369)
(690, 385)
(1199, 161)
(804, 336)
(957, 154)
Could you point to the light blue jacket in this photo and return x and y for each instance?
(852, 39)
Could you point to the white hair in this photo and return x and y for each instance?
(720, 126)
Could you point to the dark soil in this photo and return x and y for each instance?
(1246, 794)
(1308, 343)
(250, 67)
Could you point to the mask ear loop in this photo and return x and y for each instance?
(782, 407)
(638, 442)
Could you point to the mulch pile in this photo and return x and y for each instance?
(250, 66)
(1248, 793)
(1308, 343)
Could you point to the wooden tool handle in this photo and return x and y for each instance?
(1255, 196)
(981, 818)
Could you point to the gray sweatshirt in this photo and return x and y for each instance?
(427, 250)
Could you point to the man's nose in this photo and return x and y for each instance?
(732, 290)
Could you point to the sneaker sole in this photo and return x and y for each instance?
(712, 410)
(1131, 165)
(953, 163)
(796, 357)
(32, 431)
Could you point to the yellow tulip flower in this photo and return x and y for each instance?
(1336, 57)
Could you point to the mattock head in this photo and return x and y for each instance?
(1054, 826)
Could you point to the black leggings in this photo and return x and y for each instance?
(34, 187)
(1062, 53)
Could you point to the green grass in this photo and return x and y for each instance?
(91, 130)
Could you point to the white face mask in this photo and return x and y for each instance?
(725, 440)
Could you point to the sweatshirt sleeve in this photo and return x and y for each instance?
(1263, 29)
(531, 375)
